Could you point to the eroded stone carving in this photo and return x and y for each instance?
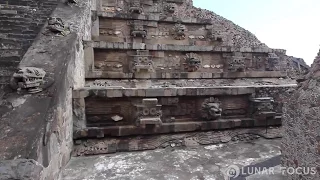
(215, 34)
(136, 7)
(149, 113)
(178, 32)
(170, 8)
(237, 62)
(28, 78)
(272, 62)
(138, 29)
(56, 25)
(210, 109)
(192, 62)
(263, 106)
(142, 61)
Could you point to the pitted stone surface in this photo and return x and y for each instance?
(193, 163)
(139, 143)
(301, 142)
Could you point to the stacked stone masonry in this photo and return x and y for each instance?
(36, 129)
(132, 67)
(151, 69)
(20, 23)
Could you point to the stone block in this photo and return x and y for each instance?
(112, 93)
(141, 92)
(194, 75)
(191, 91)
(170, 92)
(181, 91)
(154, 92)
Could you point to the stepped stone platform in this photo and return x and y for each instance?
(107, 76)
(152, 70)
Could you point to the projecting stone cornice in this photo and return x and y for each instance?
(169, 47)
(152, 17)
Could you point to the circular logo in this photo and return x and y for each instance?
(232, 171)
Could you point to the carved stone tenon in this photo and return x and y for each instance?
(28, 78)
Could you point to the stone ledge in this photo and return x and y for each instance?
(152, 17)
(113, 92)
(161, 92)
(95, 132)
(169, 47)
(186, 75)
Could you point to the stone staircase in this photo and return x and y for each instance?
(151, 71)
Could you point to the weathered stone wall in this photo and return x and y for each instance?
(301, 122)
(276, 93)
(20, 22)
(295, 67)
(37, 129)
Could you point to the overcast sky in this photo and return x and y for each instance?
(293, 25)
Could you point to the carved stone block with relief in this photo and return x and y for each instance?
(178, 32)
(135, 7)
(210, 109)
(263, 107)
(142, 61)
(148, 113)
(236, 62)
(273, 62)
(28, 78)
(137, 29)
(192, 62)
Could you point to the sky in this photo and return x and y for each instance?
(293, 25)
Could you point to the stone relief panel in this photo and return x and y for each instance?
(259, 62)
(108, 112)
(234, 106)
(138, 29)
(110, 61)
(113, 30)
(211, 109)
(236, 62)
(112, 6)
(142, 61)
(170, 61)
(163, 8)
(135, 7)
(148, 112)
(263, 107)
(176, 109)
(178, 31)
(155, 111)
(192, 62)
(215, 34)
(273, 62)
(156, 61)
